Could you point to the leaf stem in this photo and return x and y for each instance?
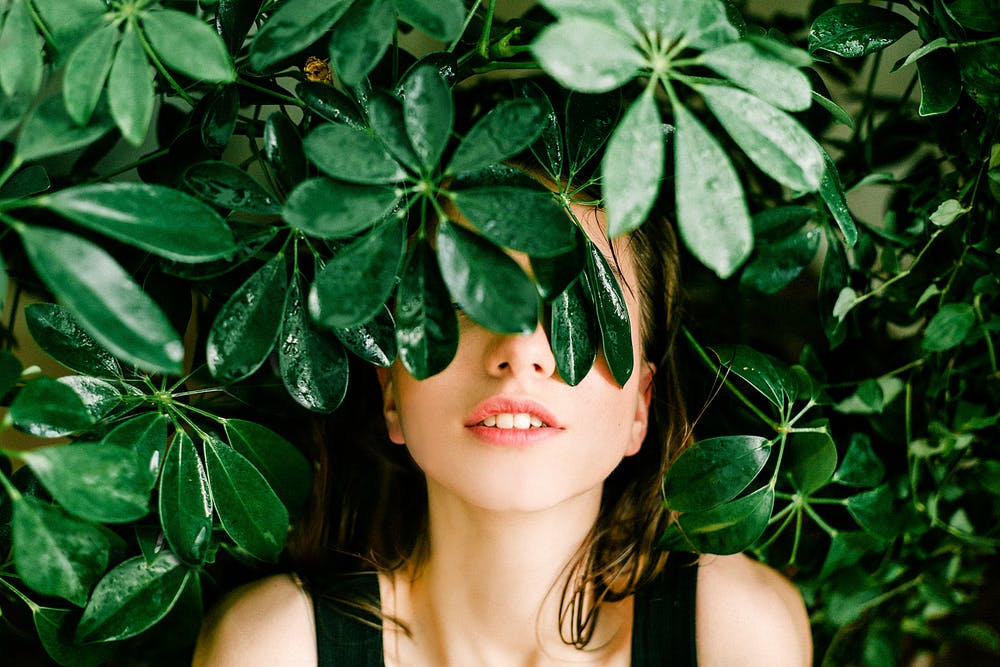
(465, 25)
(155, 59)
(827, 528)
(288, 99)
(483, 46)
(16, 591)
(990, 351)
(902, 274)
(12, 167)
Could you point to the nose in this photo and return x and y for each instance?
(521, 355)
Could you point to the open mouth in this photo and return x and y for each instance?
(507, 420)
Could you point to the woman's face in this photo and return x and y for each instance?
(500, 430)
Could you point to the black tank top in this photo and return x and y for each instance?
(662, 629)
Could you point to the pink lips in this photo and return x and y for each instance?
(512, 437)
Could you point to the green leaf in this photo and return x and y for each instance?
(130, 89)
(614, 13)
(705, 24)
(764, 373)
(293, 27)
(313, 366)
(981, 15)
(226, 185)
(97, 482)
(283, 466)
(385, 112)
(832, 192)
(839, 114)
(609, 60)
(49, 130)
(327, 102)
(441, 19)
(632, 167)
(947, 212)
(374, 341)
(246, 327)
(854, 30)
(846, 549)
(554, 274)
(472, 267)
(940, 83)
(86, 72)
(10, 372)
(875, 512)
(778, 263)
(329, 209)
(55, 553)
(762, 73)
(164, 221)
(574, 336)
(57, 333)
(47, 408)
(871, 397)
(185, 505)
(426, 325)
(221, 116)
(104, 299)
(731, 527)
(949, 327)
(811, 459)
(506, 130)
(714, 471)
(70, 21)
(188, 45)
(775, 141)
(548, 147)
(345, 153)
(355, 283)
(21, 67)
(612, 316)
(428, 113)
(146, 436)
(283, 151)
(55, 631)
(712, 213)
(12, 110)
(26, 182)
(99, 396)
(249, 510)
(133, 597)
(861, 465)
(590, 119)
(360, 38)
(526, 220)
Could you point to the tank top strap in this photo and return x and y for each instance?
(348, 627)
(663, 631)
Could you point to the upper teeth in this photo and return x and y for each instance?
(521, 420)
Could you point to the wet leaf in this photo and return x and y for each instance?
(609, 60)
(184, 503)
(526, 220)
(328, 209)
(762, 73)
(949, 327)
(428, 113)
(188, 45)
(374, 341)
(87, 71)
(633, 166)
(221, 116)
(284, 467)
(506, 130)
(385, 111)
(47, 408)
(347, 154)
(130, 89)
(426, 325)
(227, 186)
(234, 19)
(590, 120)
(360, 38)
(441, 19)
(99, 396)
(832, 192)
(714, 471)
(548, 148)
(574, 335)
(246, 327)
(855, 30)
(612, 316)
(56, 332)
(778, 263)
(294, 26)
(283, 151)
(146, 436)
(327, 102)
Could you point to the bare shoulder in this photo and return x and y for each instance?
(747, 614)
(267, 622)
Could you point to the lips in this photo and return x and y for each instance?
(512, 422)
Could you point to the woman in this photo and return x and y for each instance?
(526, 532)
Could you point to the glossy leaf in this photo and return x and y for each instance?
(855, 29)
(426, 325)
(250, 512)
(574, 335)
(617, 14)
(97, 482)
(441, 19)
(99, 396)
(130, 89)
(940, 83)
(355, 283)
(21, 67)
(762, 73)
(345, 153)
(246, 327)
(632, 168)
(838, 112)
(87, 71)
(327, 102)
(57, 333)
(528, 221)
(132, 597)
(472, 267)
(221, 117)
(832, 192)
(188, 45)
(811, 459)
(329, 209)
(730, 527)
(609, 60)
(283, 151)
(832, 279)
(49, 130)
(291, 28)
(55, 632)
(55, 553)
(778, 263)
(764, 373)
(772, 139)
(612, 316)
(146, 436)
(374, 341)
(10, 372)
(712, 215)
(875, 512)
(506, 130)
(385, 112)
(313, 366)
(227, 186)
(861, 465)
(590, 119)
(164, 221)
(554, 274)
(360, 38)
(714, 471)
(47, 408)
(185, 505)
(104, 299)
(949, 327)
(234, 19)
(284, 467)
(548, 147)
(428, 113)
